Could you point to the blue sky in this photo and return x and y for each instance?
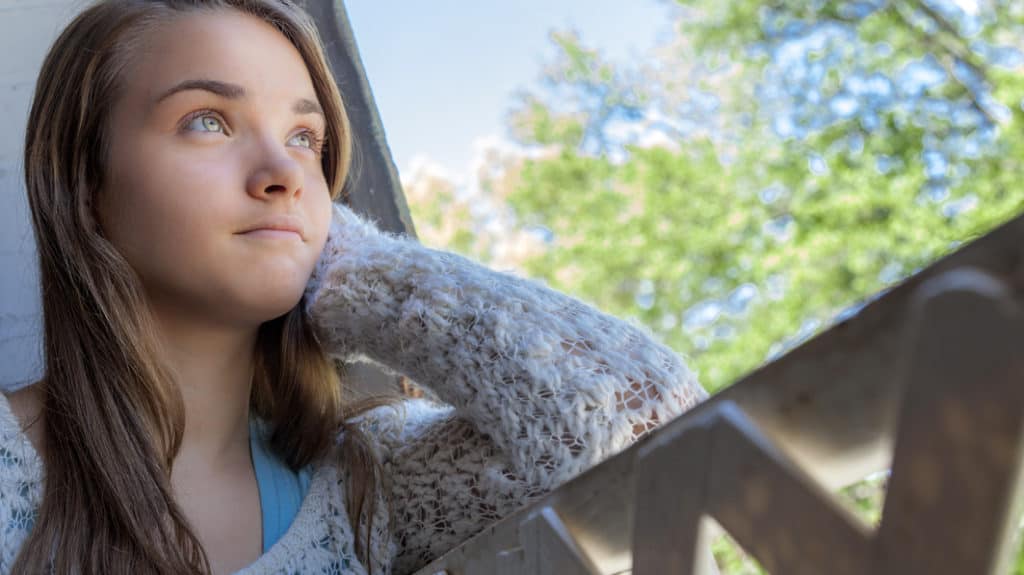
(444, 72)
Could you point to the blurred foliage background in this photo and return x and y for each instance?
(774, 166)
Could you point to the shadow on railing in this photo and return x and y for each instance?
(927, 380)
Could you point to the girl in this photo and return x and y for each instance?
(181, 160)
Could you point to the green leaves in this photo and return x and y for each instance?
(811, 223)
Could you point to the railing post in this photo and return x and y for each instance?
(374, 186)
(669, 533)
(551, 548)
(957, 463)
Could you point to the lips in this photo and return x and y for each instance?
(279, 225)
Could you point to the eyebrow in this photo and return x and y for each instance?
(235, 92)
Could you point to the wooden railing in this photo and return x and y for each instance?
(927, 380)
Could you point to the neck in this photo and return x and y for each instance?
(213, 367)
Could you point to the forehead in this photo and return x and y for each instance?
(225, 45)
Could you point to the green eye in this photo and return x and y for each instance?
(308, 139)
(206, 123)
(303, 139)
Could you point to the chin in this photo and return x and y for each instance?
(270, 302)
(253, 293)
(272, 308)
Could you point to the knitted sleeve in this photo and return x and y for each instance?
(540, 386)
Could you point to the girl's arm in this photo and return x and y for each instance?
(540, 386)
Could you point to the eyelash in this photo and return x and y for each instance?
(318, 143)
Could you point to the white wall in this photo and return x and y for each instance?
(27, 28)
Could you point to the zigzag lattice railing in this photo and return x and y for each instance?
(929, 378)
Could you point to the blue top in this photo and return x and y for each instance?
(281, 489)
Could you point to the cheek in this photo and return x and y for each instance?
(171, 217)
(165, 208)
(319, 210)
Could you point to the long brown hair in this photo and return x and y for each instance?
(114, 417)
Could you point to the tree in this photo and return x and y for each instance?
(834, 168)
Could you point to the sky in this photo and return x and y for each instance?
(444, 73)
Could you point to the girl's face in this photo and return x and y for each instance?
(214, 190)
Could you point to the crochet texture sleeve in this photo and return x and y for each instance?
(540, 386)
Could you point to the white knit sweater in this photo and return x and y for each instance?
(539, 387)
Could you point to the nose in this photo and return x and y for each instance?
(276, 175)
